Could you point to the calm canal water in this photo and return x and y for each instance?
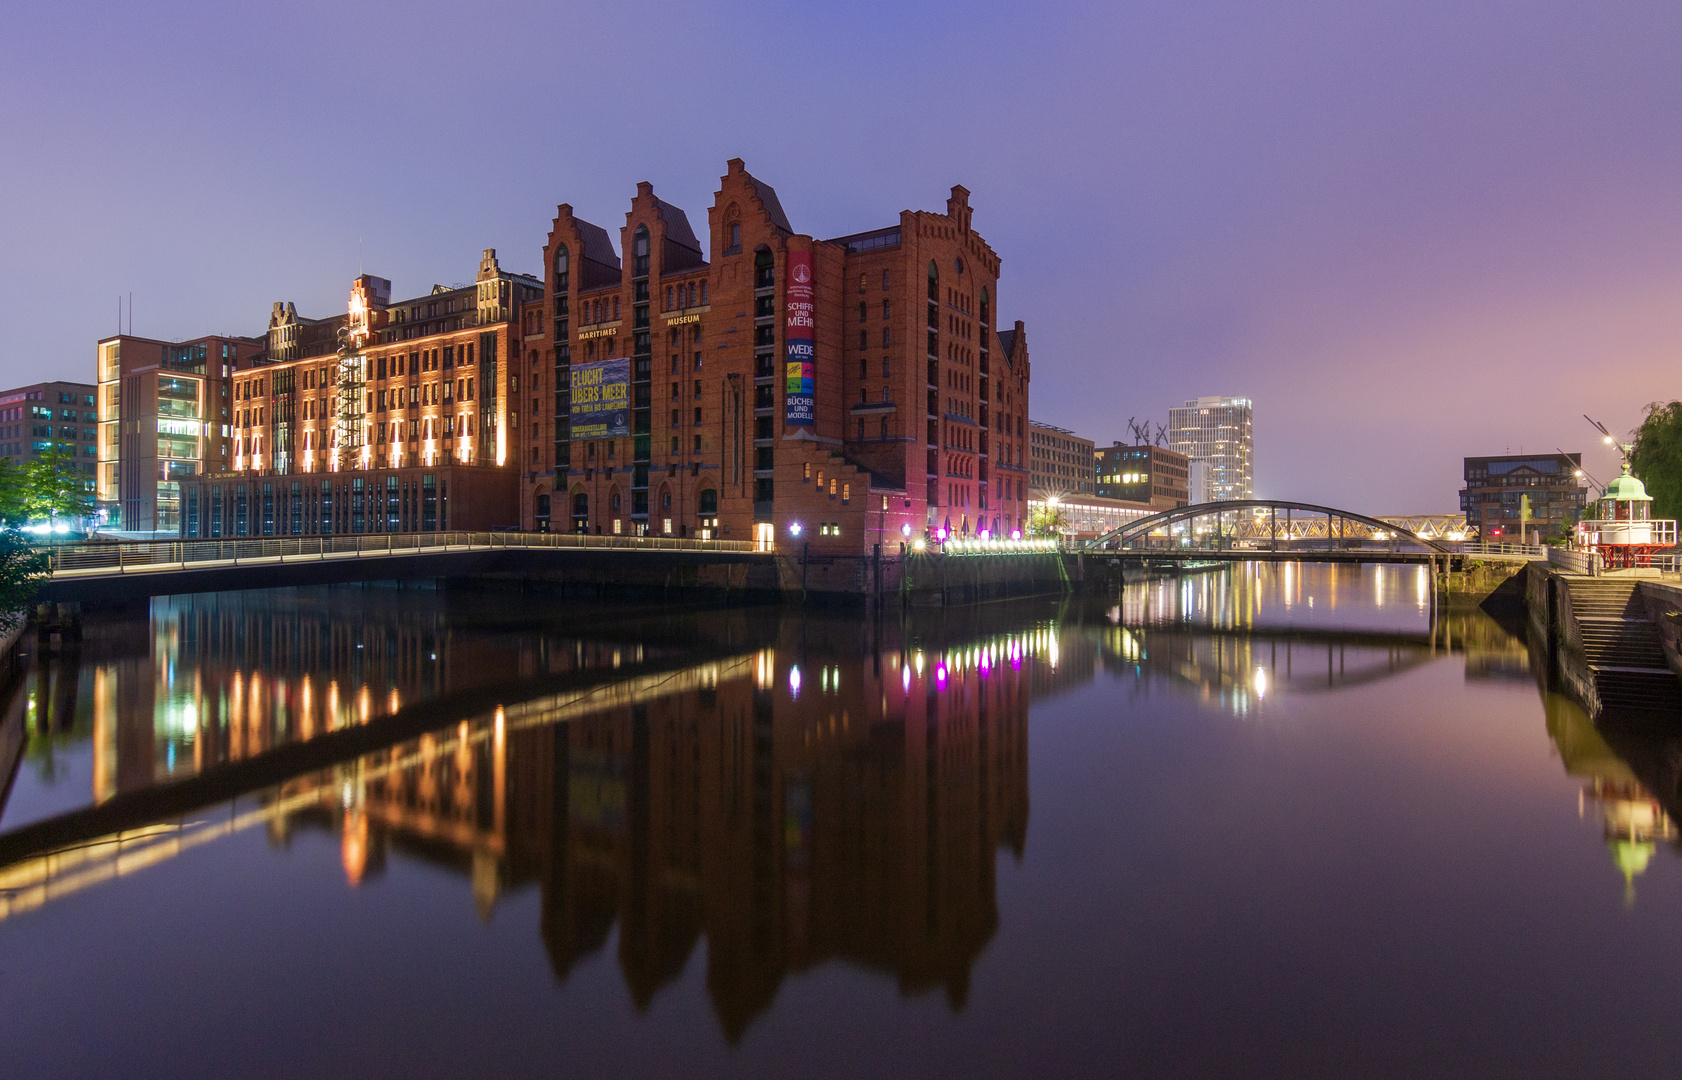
(1269, 821)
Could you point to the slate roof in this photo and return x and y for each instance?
(677, 225)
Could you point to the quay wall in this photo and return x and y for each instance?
(1664, 604)
(1548, 603)
(914, 579)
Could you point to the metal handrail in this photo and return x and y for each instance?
(152, 555)
(1661, 531)
(1576, 560)
(1471, 547)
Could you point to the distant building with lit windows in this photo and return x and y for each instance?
(1217, 431)
(1497, 489)
(43, 417)
(1059, 461)
(1144, 474)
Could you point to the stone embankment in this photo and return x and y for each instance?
(1614, 641)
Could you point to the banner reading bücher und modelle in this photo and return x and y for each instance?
(798, 323)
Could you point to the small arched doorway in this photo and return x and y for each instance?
(580, 510)
(540, 510)
(706, 513)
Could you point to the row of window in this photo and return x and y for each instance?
(363, 505)
(694, 294)
(18, 449)
(41, 412)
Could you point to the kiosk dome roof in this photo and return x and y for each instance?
(1627, 488)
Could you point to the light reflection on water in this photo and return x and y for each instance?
(1280, 595)
(813, 794)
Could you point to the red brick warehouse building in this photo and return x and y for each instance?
(407, 433)
(854, 387)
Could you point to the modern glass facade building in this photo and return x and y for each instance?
(163, 418)
(1218, 432)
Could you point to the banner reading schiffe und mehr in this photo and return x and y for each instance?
(798, 323)
(601, 399)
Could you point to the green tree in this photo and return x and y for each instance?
(55, 490)
(1656, 457)
(1049, 520)
(14, 494)
(22, 569)
(21, 566)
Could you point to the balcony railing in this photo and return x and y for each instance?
(1597, 531)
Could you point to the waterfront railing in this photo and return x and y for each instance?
(73, 560)
(1527, 551)
(1576, 560)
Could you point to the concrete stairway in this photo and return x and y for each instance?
(1622, 647)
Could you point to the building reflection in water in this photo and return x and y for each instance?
(207, 680)
(797, 807)
(798, 791)
(1633, 821)
(1243, 596)
(841, 790)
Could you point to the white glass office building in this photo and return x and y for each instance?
(1217, 431)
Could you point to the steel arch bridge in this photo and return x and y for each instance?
(1251, 520)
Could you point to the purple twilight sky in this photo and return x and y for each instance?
(1409, 231)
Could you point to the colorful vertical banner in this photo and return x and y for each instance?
(799, 358)
(601, 399)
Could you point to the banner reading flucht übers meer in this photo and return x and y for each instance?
(798, 326)
(601, 399)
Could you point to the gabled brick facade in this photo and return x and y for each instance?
(919, 407)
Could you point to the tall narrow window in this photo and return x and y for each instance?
(639, 252)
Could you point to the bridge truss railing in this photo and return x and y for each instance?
(1260, 524)
(76, 560)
